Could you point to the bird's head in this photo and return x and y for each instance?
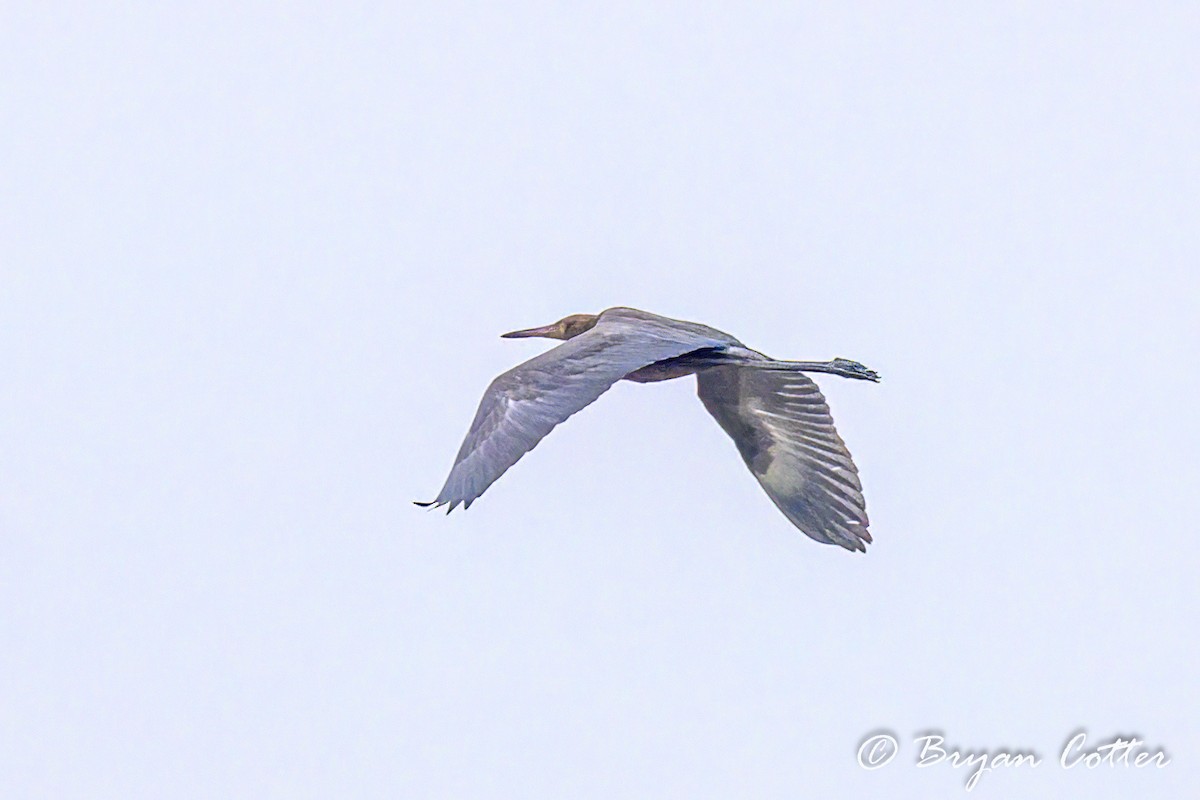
(565, 328)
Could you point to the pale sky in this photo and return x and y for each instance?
(256, 260)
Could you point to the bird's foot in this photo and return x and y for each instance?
(852, 369)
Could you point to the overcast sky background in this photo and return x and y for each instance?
(255, 262)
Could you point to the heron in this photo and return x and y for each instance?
(775, 414)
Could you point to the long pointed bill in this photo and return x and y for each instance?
(545, 330)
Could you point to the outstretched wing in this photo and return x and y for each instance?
(782, 427)
(525, 403)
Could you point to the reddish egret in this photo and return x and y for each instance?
(776, 415)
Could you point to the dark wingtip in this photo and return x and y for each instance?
(423, 505)
(864, 539)
(858, 541)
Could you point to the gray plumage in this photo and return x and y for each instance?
(775, 415)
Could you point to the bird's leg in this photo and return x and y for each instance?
(838, 366)
(852, 369)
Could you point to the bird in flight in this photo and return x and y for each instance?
(774, 413)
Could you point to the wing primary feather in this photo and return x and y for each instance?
(785, 434)
(522, 406)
